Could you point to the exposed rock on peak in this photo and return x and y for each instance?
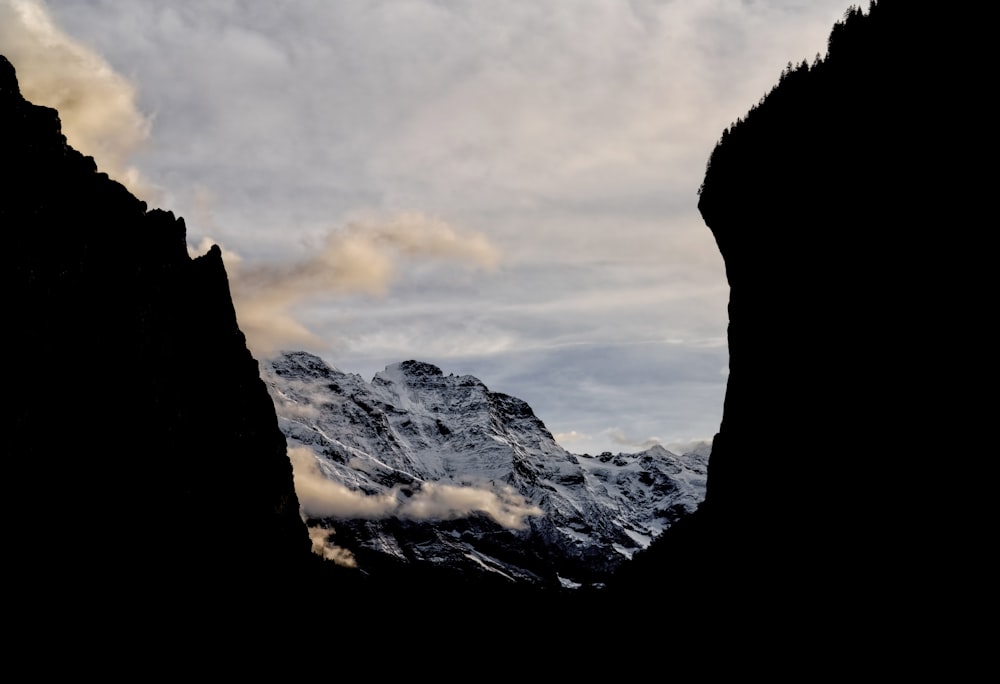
(419, 368)
(443, 471)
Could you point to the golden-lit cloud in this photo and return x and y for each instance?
(437, 501)
(97, 106)
(362, 258)
(322, 497)
(323, 546)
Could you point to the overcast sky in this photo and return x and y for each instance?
(506, 189)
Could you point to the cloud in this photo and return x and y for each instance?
(571, 437)
(436, 501)
(363, 258)
(687, 446)
(292, 410)
(323, 546)
(574, 135)
(618, 436)
(322, 497)
(97, 106)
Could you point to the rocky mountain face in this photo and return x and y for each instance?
(437, 469)
(145, 467)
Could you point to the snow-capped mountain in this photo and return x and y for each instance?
(427, 467)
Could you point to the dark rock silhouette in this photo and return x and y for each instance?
(148, 482)
(837, 205)
(144, 466)
(145, 459)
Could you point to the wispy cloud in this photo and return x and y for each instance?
(364, 257)
(619, 437)
(572, 437)
(322, 545)
(322, 497)
(437, 501)
(570, 135)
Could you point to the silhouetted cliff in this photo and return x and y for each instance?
(144, 466)
(145, 458)
(856, 276)
(148, 483)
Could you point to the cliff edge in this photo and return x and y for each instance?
(843, 212)
(145, 468)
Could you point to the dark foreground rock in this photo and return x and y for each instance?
(144, 467)
(843, 205)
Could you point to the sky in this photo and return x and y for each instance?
(504, 189)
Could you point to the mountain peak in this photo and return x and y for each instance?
(433, 468)
(298, 362)
(419, 368)
(658, 450)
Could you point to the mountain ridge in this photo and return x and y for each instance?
(412, 428)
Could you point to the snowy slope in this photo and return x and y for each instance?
(433, 468)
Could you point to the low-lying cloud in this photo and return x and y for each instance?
(321, 497)
(436, 501)
(363, 258)
(97, 106)
(573, 436)
(323, 546)
(618, 436)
